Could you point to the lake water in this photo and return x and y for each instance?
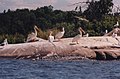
(82, 69)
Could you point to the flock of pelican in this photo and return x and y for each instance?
(33, 36)
(59, 35)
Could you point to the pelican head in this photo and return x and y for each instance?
(81, 30)
(63, 29)
(117, 23)
(35, 27)
(32, 33)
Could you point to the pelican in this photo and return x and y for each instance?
(51, 38)
(77, 37)
(59, 35)
(117, 24)
(33, 36)
(114, 35)
(4, 43)
(106, 31)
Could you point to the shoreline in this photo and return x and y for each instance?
(98, 48)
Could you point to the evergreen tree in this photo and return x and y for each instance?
(97, 9)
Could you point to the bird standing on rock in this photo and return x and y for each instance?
(4, 43)
(77, 37)
(33, 36)
(59, 35)
(116, 25)
(51, 38)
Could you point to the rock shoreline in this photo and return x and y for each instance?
(99, 48)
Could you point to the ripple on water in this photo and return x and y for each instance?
(83, 69)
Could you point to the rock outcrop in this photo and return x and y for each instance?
(100, 48)
(107, 54)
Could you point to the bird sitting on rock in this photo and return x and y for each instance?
(4, 43)
(51, 38)
(59, 35)
(77, 37)
(33, 36)
(117, 24)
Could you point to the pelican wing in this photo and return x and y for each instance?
(51, 38)
(59, 35)
(76, 38)
(31, 36)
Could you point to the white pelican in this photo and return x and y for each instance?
(117, 24)
(33, 36)
(4, 43)
(59, 35)
(77, 37)
(51, 38)
(106, 31)
(115, 33)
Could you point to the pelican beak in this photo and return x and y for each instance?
(36, 27)
(63, 29)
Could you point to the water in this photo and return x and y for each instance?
(83, 69)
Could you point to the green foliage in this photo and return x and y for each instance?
(97, 9)
(45, 34)
(16, 38)
(16, 25)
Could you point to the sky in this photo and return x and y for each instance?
(33, 4)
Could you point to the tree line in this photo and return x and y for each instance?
(20, 22)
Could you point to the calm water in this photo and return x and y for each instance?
(83, 69)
